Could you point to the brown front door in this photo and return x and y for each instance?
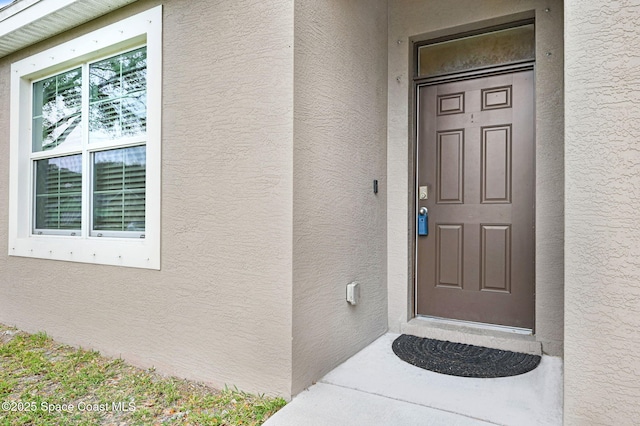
(476, 158)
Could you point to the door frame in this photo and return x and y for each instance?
(418, 82)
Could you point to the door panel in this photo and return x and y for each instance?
(495, 254)
(449, 251)
(476, 154)
(450, 165)
(495, 163)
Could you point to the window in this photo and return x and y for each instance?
(114, 148)
(498, 47)
(85, 148)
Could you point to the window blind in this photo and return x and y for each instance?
(119, 182)
(58, 201)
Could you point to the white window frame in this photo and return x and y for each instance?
(144, 29)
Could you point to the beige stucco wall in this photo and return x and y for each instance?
(219, 310)
(602, 316)
(419, 18)
(339, 228)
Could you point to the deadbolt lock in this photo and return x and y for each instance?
(423, 192)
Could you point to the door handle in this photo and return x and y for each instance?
(423, 221)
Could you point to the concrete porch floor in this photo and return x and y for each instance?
(375, 387)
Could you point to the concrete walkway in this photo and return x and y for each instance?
(375, 387)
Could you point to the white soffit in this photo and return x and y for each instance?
(26, 22)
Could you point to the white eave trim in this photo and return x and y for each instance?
(26, 22)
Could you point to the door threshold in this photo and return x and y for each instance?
(487, 335)
(478, 325)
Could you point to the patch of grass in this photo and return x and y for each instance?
(45, 383)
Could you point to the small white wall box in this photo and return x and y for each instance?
(353, 293)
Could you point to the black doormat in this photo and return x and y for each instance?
(458, 359)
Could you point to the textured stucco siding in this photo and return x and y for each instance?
(602, 309)
(420, 19)
(339, 229)
(219, 310)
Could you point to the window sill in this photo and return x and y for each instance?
(134, 253)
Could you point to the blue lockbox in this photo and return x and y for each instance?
(423, 224)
